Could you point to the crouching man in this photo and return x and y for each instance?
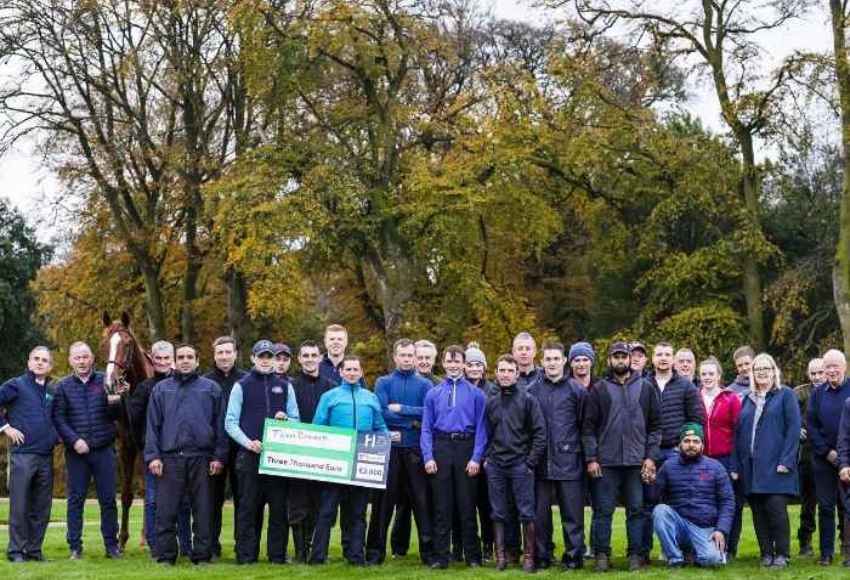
(698, 504)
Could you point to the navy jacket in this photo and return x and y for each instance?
(700, 491)
(186, 416)
(407, 389)
(824, 414)
(308, 391)
(562, 404)
(844, 437)
(516, 430)
(680, 404)
(777, 442)
(622, 423)
(81, 411)
(28, 409)
(225, 381)
(137, 408)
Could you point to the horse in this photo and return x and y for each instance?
(127, 366)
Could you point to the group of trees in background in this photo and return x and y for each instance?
(420, 168)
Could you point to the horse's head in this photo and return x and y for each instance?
(126, 363)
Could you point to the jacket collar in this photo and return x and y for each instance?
(182, 378)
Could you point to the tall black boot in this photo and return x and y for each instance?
(301, 551)
(499, 537)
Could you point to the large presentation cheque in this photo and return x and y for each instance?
(307, 451)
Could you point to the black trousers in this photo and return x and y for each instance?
(770, 519)
(402, 523)
(483, 508)
(30, 500)
(303, 503)
(606, 490)
(569, 496)
(827, 494)
(808, 502)
(351, 500)
(219, 492)
(181, 475)
(406, 477)
(451, 487)
(256, 491)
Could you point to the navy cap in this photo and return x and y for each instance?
(263, 346)
(281, 348)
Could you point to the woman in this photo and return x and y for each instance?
(722, 410)
(765, 458)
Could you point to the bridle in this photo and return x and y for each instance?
(121, 372)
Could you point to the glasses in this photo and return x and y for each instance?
(762, 369)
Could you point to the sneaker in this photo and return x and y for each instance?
(636, 562)
(780, 562)
(114, 554)
(76, 555)
(825, 561)
(806, 550)
(766, 561)
(17, 559)
(602, 563)
(438, 565)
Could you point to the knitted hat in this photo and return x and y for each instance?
(582, 349)
(691, 429)
(475, 354)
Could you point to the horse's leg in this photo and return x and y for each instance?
(128, 467)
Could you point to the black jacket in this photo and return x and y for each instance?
(81, 411)
(186, 416)
(562, 405)
(622, 423)
(225, 381)
(515, 429)
(527, 379)
(137, 407)
(308, 391)
(680, 404)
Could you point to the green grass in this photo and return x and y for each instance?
(137, 564)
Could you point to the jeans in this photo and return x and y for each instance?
(650, 496)
(184, 531)
(100, 465)
(675, 532)
(605, 491)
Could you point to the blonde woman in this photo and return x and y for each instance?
(765, 457)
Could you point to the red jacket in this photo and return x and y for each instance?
(721, 423)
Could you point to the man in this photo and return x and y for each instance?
(305, 495)
(524, 351)
(402, 397)
(621, 433)
(336, 341)
(743, 358)
(185, 444)
(162, 356)
(516, 441)
(352, 407)
(453, 442)
(685, 364)
(844, 474)
(638, 356)
(680, 403)
(426, 357)
(225, 373)
(86, 423)
(282, 359)
(27, 400)
(560, 475)
(808, 501)
(259, 395)
(698, 504)
(581, 359)
(822, 423)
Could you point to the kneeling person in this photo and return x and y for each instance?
(699, 504)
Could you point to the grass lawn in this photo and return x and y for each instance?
(137, 564)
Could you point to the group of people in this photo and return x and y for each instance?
(476, 464)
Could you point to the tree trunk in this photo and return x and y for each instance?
(752, 276)
(841, 270)
(237, 306)
(193, 269)
(153, 302)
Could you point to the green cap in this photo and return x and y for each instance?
(691, 429)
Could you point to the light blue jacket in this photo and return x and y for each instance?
(339, 406)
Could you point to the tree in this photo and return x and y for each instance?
(21, 257)
(139, 105)
(722, 37)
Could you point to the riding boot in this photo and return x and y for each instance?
(301, 552)
(499, 537)
(530, 537)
